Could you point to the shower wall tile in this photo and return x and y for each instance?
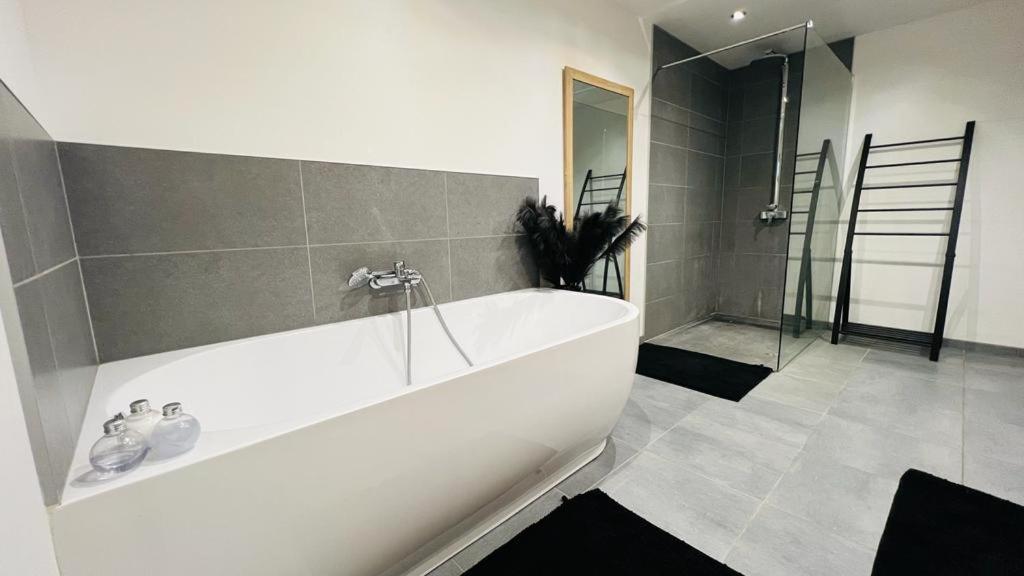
(704, 204)
(51, 341)
(482, 266)
(34, 158)
(761, 99)
(758, 136)
(708, 98)
(57, 441)
(668, 164)
(671, 112)
(154, 303)
(136, 200)
(71, 338)
(349, 203)
(12, 213)
(667, 204)
(756, 169)
(332, 266)
(482, 205)
(662, 315)
(668, 132)
(686, 187)
(704, 170)
(664, 279)
(665, 242)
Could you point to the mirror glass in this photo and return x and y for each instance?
(599, 173)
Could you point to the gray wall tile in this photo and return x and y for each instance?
(761, 99)
(135, 200)
(194, 298)
(71, 336)
(668, 165)
(707, 142)
(667, 204)
(481, 205)
(667, 111)
(332, 265)
(664, 279)
(673, 85)
(668, 132)
(12, 214)
(42, 194)
(665, 242)
(756, 169)
(704, 170)
(758, 135)
(58, 436)
(662, 315)
(483, 266)
(704, 204)
(708, 98)
(348, 203)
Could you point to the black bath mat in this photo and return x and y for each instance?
(938, 527)
(593, 534)
(701, 372)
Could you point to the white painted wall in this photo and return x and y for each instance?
(925, 80)
(25, 543)
(438, 84)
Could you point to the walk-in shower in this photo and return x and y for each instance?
(747, 145)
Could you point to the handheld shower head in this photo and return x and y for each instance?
(360, 277)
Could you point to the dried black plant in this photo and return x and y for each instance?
(564, 257)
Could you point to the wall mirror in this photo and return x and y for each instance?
(598, 136)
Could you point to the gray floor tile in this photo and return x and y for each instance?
(920, 408)
(653, 408)
(881, 451)
(813, 395)
(779, 544)
(987, 436)
(494, 539)
(814, 364)
(700, 511)
(994, 377)
(1001, 478)
(915, 363)
(841, 498)
(615, 454)
(740, 342)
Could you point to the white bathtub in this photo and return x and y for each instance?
(316, 459)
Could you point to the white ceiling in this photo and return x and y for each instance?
(705, 24)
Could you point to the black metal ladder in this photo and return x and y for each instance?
(606, 183)
(841, 322)
(803, 287)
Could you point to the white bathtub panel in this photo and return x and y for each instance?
(360, 492)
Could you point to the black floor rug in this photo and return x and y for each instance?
(593, 534)
(701, 372)
(938, 527)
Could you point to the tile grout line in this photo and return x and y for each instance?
(448, 232)
(74, 242)
(287, 246)
(309, 257)
(44, 272)
(796, 458)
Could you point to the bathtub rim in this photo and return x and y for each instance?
(241, 438)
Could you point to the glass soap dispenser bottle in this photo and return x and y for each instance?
(119, 450)
(142, 418)
(175, 434)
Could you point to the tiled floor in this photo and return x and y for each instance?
(798, 477)
(740, 342)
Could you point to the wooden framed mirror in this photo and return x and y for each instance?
(598, 151)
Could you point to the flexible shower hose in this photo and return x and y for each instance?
(440, 318)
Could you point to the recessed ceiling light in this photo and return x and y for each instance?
(739, 15)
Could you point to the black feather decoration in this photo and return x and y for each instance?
(565, 258)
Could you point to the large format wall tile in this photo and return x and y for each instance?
(481, 205)
(348, 203)
(135, 200)
(58, 437)
(482, 266)
(71, 336)
(34, 158)
(12, 214)
(332, 266)
(148, 304)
